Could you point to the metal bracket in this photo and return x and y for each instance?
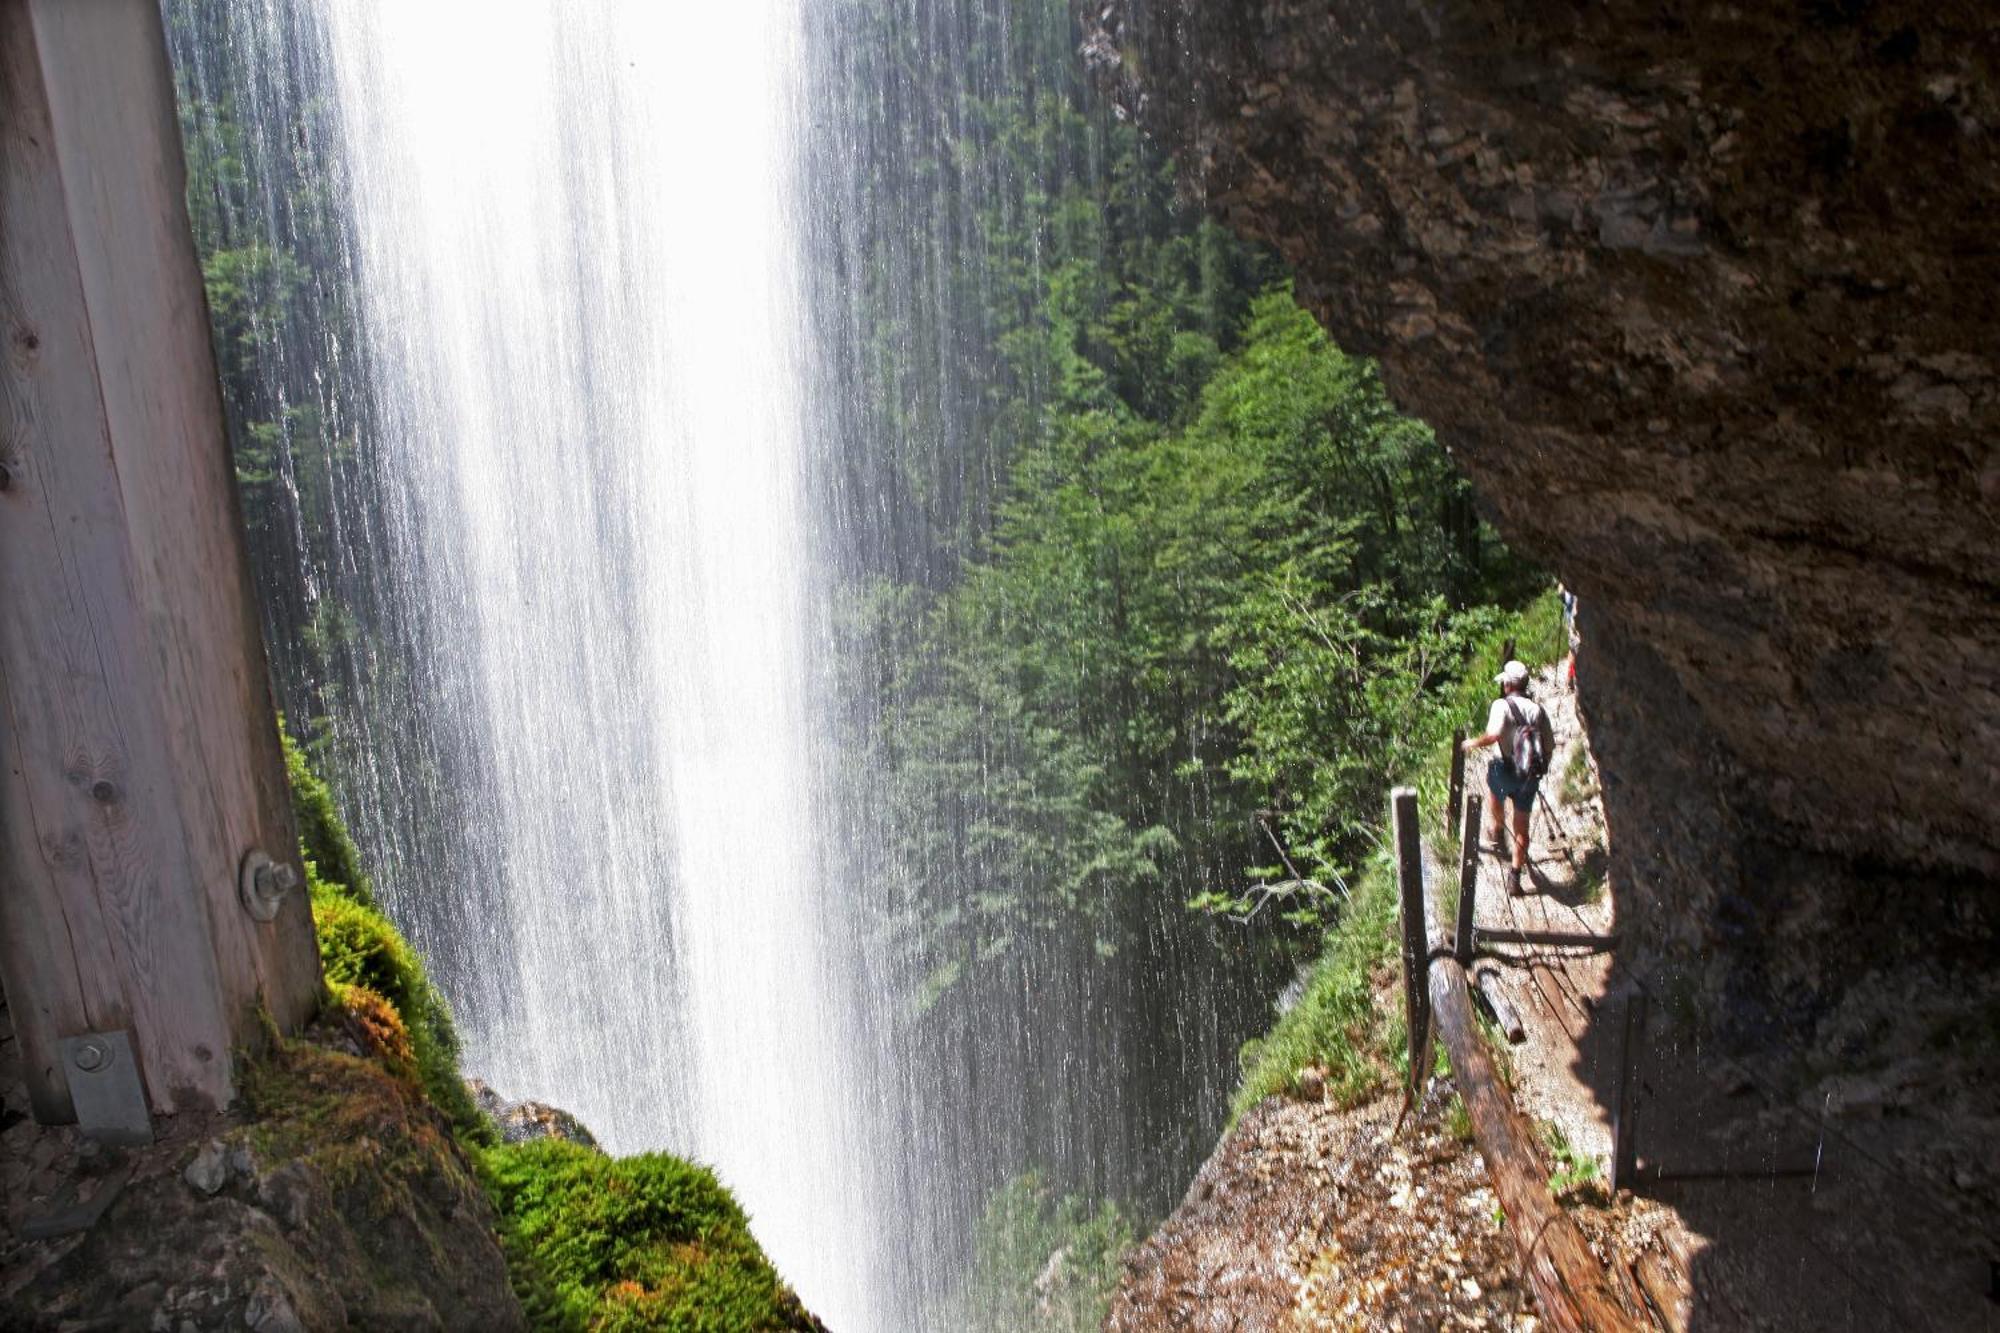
(104, 1087)
(261, 884)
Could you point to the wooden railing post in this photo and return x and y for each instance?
(1468, 881)
(1625, 1106)
(1456, 793)
(1416, 947)
(141, 765)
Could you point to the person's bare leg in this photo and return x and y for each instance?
(1493, 820)
(1522, 810)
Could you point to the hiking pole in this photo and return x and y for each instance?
(1561, 839)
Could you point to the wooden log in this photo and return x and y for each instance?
(1666, 1290)
(1487, 979)
(136, 725)
(1468, 883)
(1416, 945)
(1573, 1293)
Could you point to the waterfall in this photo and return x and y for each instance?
(592, 367)
(574, 242)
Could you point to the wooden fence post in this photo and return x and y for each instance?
(1625, 1106)
(141, 760)
(1468, 881)
(1416, 945)
(1456, 793)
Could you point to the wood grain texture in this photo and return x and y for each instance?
(141, 760)
(1414, 918)
(143, 283)
(1573, 1293)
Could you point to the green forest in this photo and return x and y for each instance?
(1206, 591)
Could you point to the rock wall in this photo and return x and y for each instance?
(1702, 297)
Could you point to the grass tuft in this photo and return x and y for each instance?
(1335, 1024)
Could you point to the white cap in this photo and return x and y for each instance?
(1514, 673)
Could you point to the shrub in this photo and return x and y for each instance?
(1334, 1025)
(1043, 1261)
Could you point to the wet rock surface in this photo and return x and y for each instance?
(1701, 298)
(522, 1121)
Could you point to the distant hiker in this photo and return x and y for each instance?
(1569, 632)
(1521, 729)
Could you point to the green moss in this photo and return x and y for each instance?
(323, 839)
(643, 1242)
(360, 948)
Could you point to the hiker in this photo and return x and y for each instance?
(1569, 632)
(1519, 726)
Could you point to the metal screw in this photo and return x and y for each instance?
(275, 881)
(263, 884)
(92, 1056)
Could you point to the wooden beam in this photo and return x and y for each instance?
(1487, 980)
(136, 724)
(1573, 1293)
(1455, 790)
(1625, 1106)
(1468, 883)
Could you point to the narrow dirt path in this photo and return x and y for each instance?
(1753, 1209)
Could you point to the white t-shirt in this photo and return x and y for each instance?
(1508, 713)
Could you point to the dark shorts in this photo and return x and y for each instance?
(1506, 785)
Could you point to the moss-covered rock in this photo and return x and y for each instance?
(362, 951)
(591, 1241)
(334, 1197)
(642, 1242)
(369, 964)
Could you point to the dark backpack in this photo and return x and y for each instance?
(1528, 754)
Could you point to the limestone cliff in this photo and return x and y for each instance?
(1702, 298)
